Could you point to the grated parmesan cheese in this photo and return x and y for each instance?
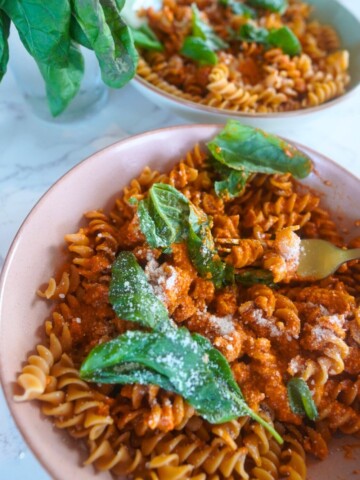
(224, 325)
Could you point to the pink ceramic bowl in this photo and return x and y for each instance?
(38, 249)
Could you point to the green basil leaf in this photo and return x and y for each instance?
(285, 39)
(43, 28)
(250, 33)
(255, 276)
(130, 373)
(144, 37)
(194, 368)
(199, 50)
(300, 399)
(124, 58)
(132, 296)
(63, 83)
(163, 215)
(278, 6)
(244, 148)
(203, 30)
(204, 257)
(77, 33)
(4, 46)
(232, 185)
(239, 8)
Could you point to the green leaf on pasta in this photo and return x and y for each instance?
(277, 6)
(244, 148)
(300, 399)
(144, 37)
(132, 296)
(239, 8)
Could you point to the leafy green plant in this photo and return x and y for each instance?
(282, 38)
(52, 31)
(170, 357)
(300, 398)
(203, 43)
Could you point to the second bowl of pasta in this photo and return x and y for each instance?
(259, 61)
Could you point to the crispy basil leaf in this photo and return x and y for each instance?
(202, 30)
(244, 148)
(163, 215)
(132, 297)
(43, 28)
(279, 6)
(191, 365)
(4, 46)
(144, 37)
(239, 8)
(300, 399)
(199, 50)
(255, 276)
(285, 39)
(250, 33)
(63, 83)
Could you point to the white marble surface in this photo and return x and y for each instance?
(34, 154)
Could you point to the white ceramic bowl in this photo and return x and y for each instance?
(38, 249)
(329, 12)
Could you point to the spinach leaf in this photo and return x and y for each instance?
(77, 33)
(239, 8)
(203, 42)
(132, 297)
(192, 367)
(250, 33)
(4, 46)
(247, 149)
(43, 28)
(63, 83)
(163, 215)
(114, 61)
(300, 399)
(144, 37)
(199, 50)
(255, 276)
(278, 6)
(285, 39)
(124, 58)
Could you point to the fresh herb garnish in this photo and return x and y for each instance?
(300, 399)
(172, 358)
(4, 46)
(282, 38)
(255, 276)
(132, 297)
(278, 6)
(166, 216)
(144, 37)
(201, 45)
(249, 150)
(239, 8)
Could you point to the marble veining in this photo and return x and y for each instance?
(35, 153)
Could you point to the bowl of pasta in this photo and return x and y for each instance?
(263, 62)
(152, 325)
